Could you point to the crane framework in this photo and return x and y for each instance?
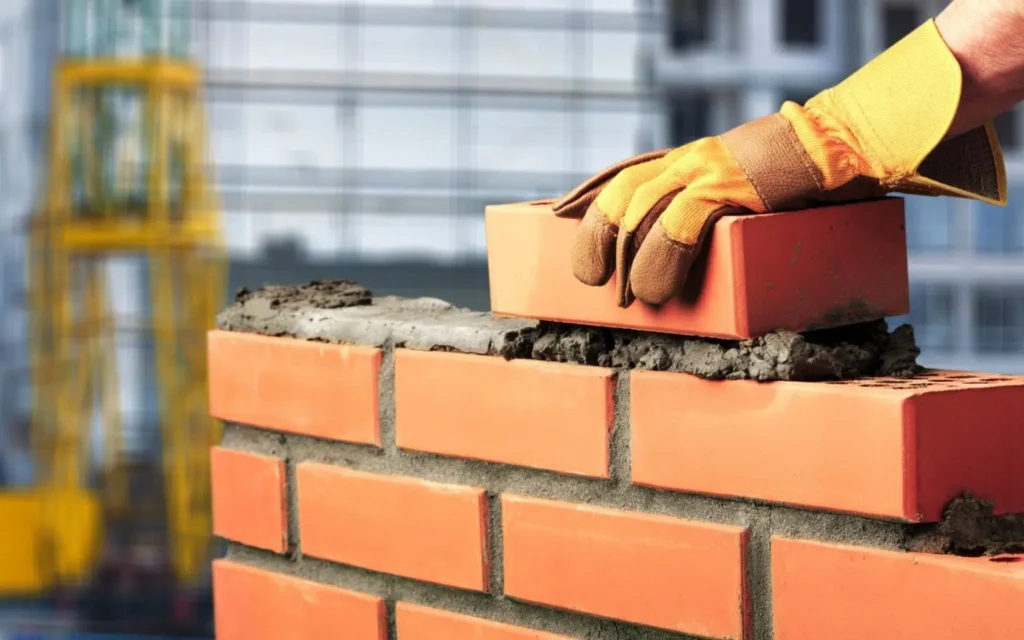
(125, 179)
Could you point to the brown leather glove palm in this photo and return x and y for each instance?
(881, 130)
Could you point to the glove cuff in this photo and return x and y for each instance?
(900, 106)
(969, 165)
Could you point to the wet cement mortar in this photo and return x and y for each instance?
(344, 312)
(970, 528)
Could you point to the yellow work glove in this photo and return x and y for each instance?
(881, 130)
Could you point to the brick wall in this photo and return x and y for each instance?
(408, 470)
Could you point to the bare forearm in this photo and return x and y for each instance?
(987, 37)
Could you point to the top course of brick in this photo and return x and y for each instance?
(801, 270)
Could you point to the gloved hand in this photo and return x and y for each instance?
(881, 130)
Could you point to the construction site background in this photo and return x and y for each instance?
(362, 140)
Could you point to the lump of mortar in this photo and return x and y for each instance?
(968, 528)
(580, 345)
(336, 294)
(834, 354)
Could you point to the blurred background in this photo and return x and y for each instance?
(156, 155)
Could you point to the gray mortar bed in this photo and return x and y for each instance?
(344, 312)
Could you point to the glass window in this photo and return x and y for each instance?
(1007, 125)
(801, 22)
(310, 234)
(531, 5)
(238, 233)
(406, 137)
(610, 136)
(932, 314)
(689, 23)
(898, 20)
(689, 118)
(390, 235)
(612, 56)
(399, 49)
(528, 140)
(929, 223)
(523, 53)
(309, 46)
(999, 320)
(999, 229)
(227, 141)
(287, 134)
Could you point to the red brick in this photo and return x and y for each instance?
(476, 407)
(653, 570)
(796, 270)
(880, 447)
(402, 526)
(850, 593)
(420, 623)
(249, 499)
(310, 388)
(252, 604)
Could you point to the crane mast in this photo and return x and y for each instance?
(124, 190)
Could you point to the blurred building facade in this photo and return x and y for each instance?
(383, 128)
(363, 139)
(28, 37)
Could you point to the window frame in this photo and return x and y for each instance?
(817, 25)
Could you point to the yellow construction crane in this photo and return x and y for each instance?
(124, 182)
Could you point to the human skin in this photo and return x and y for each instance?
(987, 38)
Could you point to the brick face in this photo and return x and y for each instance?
(249, 501)
(850, 593)
(421, 623)
(534, 414)
(652, 570)
(310, 388)
(406, 527)
(970, 440)
(252, 604)
(889, 448)
(790, 270)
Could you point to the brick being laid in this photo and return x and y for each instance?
(889, 448)
(799, 270)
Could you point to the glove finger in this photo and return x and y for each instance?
(663, 261)
(684, 170)
(630, 240)
(575, 203)
(646, 206)
(593, 250)
(593, 255)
